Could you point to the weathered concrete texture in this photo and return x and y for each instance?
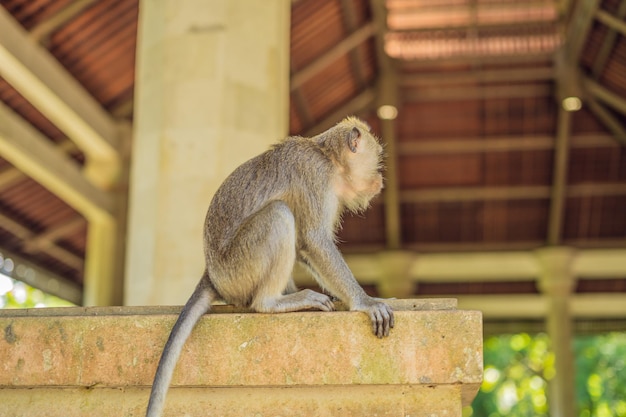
(256, 362)
(328, 401)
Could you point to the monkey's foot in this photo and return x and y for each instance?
(301, 300)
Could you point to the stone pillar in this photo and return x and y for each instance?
(212, 91)
(557, 283)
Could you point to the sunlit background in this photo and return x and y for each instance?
(505, 131)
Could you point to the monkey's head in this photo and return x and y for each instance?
(358, 157)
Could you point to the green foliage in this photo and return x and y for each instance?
(519, 366)
(16, 294)
(601, 375)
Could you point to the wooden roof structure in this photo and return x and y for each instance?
(475, 99)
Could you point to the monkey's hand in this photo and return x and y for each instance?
(380, 314)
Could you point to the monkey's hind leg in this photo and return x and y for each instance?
(266, 246)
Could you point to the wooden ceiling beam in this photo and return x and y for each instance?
(610, 121)
(559, 178)
(124, 109)
(611, 21)
(501, 144)
(10, 176)
(607, 45)
(42, 240)
(605, 95)
(49, 248)
(43, 30)
(357, 105)
(477, 93)
(486, 266)
(387, 95)
(42, 278)
(355, 54)
(43, 81)
(477, 26)
(528, 192)
(27, 150)
(470, 60)
(302, 107)
(564, 7)
(342, 48)
(578, 29)
(471, 77)
(300, 103)
(409, 7)
(596, 190)
(459, 194)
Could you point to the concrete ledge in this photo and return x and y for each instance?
(101, 361)
(357, 401)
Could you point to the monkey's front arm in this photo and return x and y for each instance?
(329, 268)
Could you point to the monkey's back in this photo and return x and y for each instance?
(291, 171)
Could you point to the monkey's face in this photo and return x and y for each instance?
(375, 183)
(364, 160)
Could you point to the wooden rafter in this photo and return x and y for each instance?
(478, 93)
(568, 84)
(559, 178)
(578, 29)
(608, 44)
(124, 109)
(357, 105)
(44, 279)
(301, 105)
(503, 144)
(458, 194)
(478, 58)
(610, 121)
(483, 76)
(535, 192)
(339, 50)
(43, 81)
(10, 176)
(388, 95)
(43, 30)
(27, 150)
(473, 27)
(611, 21)
(46, 245)
(355, 54)
(448, 7)
(42, 240)
(605, 95)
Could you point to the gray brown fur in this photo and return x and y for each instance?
(281, 207)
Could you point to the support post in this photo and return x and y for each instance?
(212, 91)
(557, 282)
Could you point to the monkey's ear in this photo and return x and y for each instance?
(354, 138)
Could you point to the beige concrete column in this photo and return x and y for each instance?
(557, 283)
(212, 91)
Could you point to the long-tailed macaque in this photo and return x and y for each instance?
(280, 207)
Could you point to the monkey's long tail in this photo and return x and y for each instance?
(198, 304)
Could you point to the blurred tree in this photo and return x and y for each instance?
(16, 294)
(519, 366)
(601, 375)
